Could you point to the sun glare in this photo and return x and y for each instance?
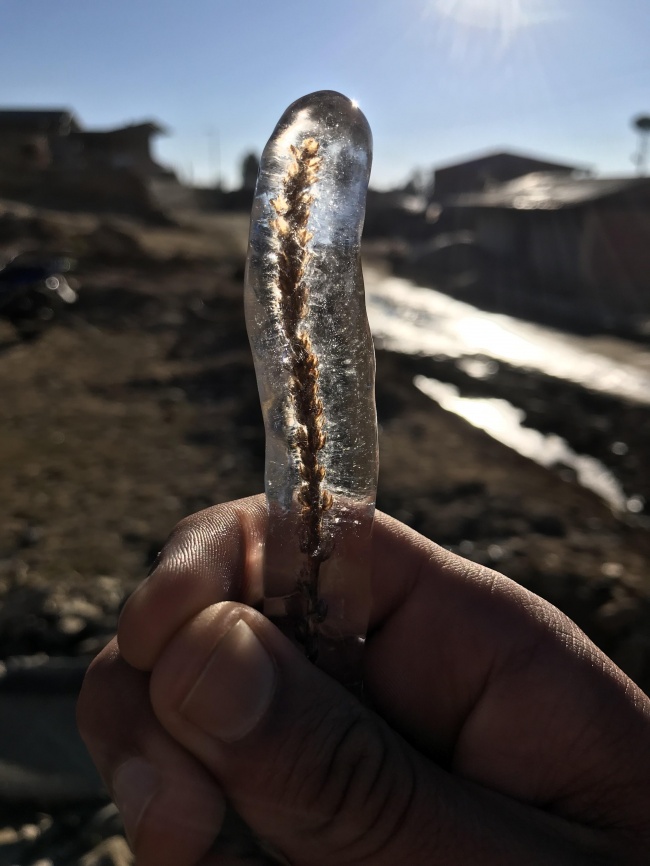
(505, 16)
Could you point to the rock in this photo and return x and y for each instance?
(8, 836)
(29, 832)
(113, 851)
(58, 604)
(548, 524)
(15, 844)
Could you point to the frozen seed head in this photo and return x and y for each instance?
(292, 208)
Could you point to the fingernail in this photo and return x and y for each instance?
(134, 785)
(235, 687)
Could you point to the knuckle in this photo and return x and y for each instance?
(351, 780)
(95, 722)
(113, 712)
(90, 703)
(200, 538)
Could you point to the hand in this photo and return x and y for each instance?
(499, 733)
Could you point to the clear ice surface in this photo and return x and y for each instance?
(315, 365)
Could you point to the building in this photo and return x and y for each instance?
(47, 157)
(488, 169)
(581, 242)
(34, 138)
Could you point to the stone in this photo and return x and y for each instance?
(113, 851)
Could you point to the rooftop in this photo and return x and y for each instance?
(549, 191)
(62, 121)
(58, 121)
(499, 155)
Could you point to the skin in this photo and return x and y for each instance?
(494, 731)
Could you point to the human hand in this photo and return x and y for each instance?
(498, 734)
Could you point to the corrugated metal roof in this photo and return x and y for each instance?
(547, 191)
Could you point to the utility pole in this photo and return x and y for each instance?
(214, 154)
(640, 158)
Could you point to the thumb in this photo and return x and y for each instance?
(316, 774)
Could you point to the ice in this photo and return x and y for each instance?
(315, 365)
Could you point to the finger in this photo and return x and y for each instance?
(319, 776)
(171, 806)
(216, 555)
(210, 557)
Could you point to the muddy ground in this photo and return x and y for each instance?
(138, 405)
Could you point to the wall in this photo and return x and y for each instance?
(119, 191)
(617, 255)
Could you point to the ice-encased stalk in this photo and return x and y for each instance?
(315, 365)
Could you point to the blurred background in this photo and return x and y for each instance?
(507, 268)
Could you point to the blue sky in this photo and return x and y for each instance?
(437, 79)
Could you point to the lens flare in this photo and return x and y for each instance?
(507, 17)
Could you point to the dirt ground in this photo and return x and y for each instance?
(138, 405)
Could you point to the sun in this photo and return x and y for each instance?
(507, 17)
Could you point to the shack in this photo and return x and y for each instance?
(477, 173)
(581, 241)
(48, 158)
(34, 138)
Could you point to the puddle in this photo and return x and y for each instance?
(414, 320)
(504, 422)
